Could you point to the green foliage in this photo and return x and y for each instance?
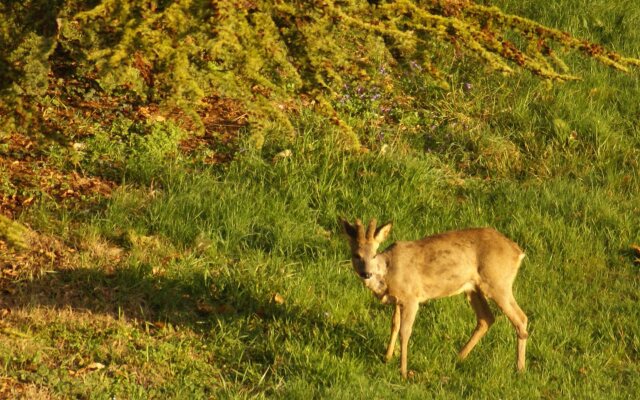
(134, 151)
(268, 55)
(27, 40)
(14, 233)
(31, 58)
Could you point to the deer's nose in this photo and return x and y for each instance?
(365, 275)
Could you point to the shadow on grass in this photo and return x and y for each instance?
(193, 303)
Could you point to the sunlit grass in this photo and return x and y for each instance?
(233, 282)
(259, 300)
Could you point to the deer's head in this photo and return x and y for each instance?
(364, 246)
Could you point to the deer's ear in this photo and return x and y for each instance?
(349, 229)
(382, 232)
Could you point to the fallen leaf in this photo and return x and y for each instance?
(9, 272)
(204, 308)
(282, 155)
(159, 324)
(94, 366)
(636, 248)
(278, 299)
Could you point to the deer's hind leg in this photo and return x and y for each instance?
(485, 320)
(518, 318)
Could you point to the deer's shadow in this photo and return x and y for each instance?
(193, 301)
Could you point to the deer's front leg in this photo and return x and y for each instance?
(407, 317)
(395, 328)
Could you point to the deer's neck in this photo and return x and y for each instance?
(381, 264)
(377, 282)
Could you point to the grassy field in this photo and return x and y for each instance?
(233, 281)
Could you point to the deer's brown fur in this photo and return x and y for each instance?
(480, 262)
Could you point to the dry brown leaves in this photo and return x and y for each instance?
(31, 175)
(222, 119)
(11, 388)
(42, 253)
(636, 249)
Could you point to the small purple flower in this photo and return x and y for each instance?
(375, 97)
(467, 87)
(380, 136)
(415, 66)
(382, 70)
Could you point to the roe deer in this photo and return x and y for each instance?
(480, 262)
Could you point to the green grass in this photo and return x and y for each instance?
(233, 281)
(259, 229)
